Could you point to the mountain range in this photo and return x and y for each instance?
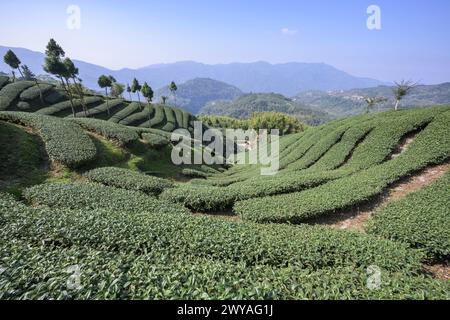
(350, 102)
(287, 79)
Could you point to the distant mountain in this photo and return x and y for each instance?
(287, 79)
(195, 94)
(350, 102)
(245, 105)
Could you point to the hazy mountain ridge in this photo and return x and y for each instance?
(350, 102)
(287, 79)
(194, 94)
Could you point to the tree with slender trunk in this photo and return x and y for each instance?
(72, 73)
(104, 82)
(164, 99)
(30, 76)
(402, 89)
(372, 101)
(136, 88)
(173, 88)
(117, 90)
(129, 91)
(54, 66)
(11, 60)
(147, 92)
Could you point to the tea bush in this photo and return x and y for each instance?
(64, 108)
(431, 146)
(125, 112)
(421, 220)
(10, 92)
(97, 196)
(127, 179)
(33, 92)
(112, 131)
(65, 142)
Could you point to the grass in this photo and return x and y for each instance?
(23, 152)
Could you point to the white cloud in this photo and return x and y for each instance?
(289, 32)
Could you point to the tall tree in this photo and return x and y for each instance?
(129, 91)
(136, 88)
(402, 89)
(117, 90)
(30, 76)
(105, 82)
(173, 88)
(55, 66)
(164, 99)
(11, 60)
(72, 73)
(372, 101)
(147, 92)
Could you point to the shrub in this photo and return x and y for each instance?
(432, 146)
(23, 106)
(114, 106)
(97, 196)
(4, 80)
(56, 96)
(128, 110)
(64, 108)
(10, 92)
(155, 140)
(158, 117)
(112, 131)
(136, 118)
(33, 92)
(127, 228)
(194, 173)
(127, 179)
(421, 220)
(65, 142)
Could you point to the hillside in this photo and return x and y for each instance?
(24, 96)
(351, 102)
(245, 105)
(195, 94)
(287, 79)
(312, 231)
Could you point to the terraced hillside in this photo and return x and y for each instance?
(25, 96)
(233, 234)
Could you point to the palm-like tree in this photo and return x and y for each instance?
(372, 101)
(173, 89)
(401, 89)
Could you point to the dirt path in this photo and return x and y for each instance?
(355, 219)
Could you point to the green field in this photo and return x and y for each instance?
(101, 194)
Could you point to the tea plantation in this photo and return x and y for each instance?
(99, 194)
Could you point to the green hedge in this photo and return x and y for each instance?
(155, 140)
(23, 106)
(431, 146)
(65, 142)
(127, 179)
(125, 112)
(12, 91)
(97, 196)
(114, 106)
(4, 80)
(30, 272)
(158, 117)
(33, 92)
(125, 227)
(113, 131)
(136, 118)
(64, 108)
(421, 220)
(43, 272)
(56, 96)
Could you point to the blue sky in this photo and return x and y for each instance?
(413, 43)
